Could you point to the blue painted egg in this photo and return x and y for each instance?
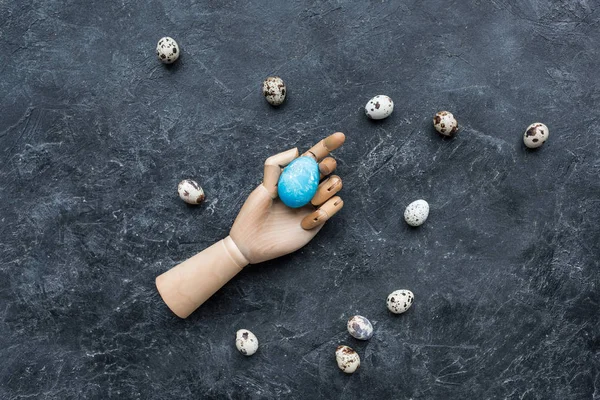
(298, 182)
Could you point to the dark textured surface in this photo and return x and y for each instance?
(95, 134)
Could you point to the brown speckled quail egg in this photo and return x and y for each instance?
(347, 359)
(379, 107)
(445, 123)
(167, 50)
(535, 135)
(274, 90)
(246, 342)
(400, 300)
(190, 192)
(360, 327)
(416, 213)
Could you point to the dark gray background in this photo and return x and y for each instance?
(95, 134)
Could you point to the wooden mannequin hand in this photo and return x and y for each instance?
(265, 228)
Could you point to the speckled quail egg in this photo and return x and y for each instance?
(360, 327)
(400, 300)
(246, 342)
(535, 135)
(445, 123)
(167, 50)
(347, 359)
(274, 90)
(190, 192)
(416, 213)
(379, 107)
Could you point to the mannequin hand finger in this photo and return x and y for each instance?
(322, 149)
(327, 189)
(323, 213)
(327, 166)
(273, 167)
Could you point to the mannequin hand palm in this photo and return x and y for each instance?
(272, 229)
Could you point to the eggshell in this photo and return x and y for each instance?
(416, 213)
(298, 182)
(246, 342)
(360, 327)
(347, 359)
(379, 107)
(400, 300)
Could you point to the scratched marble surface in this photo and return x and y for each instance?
(95, 134)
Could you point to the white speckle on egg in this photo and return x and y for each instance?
(360, 327)
(167, 50)
(535, 135)
(416, 213)
(190, 192)
(347, 359)
(246, 342)
(445, 123)
(379, 107)
(274, 90)
(400, 300)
